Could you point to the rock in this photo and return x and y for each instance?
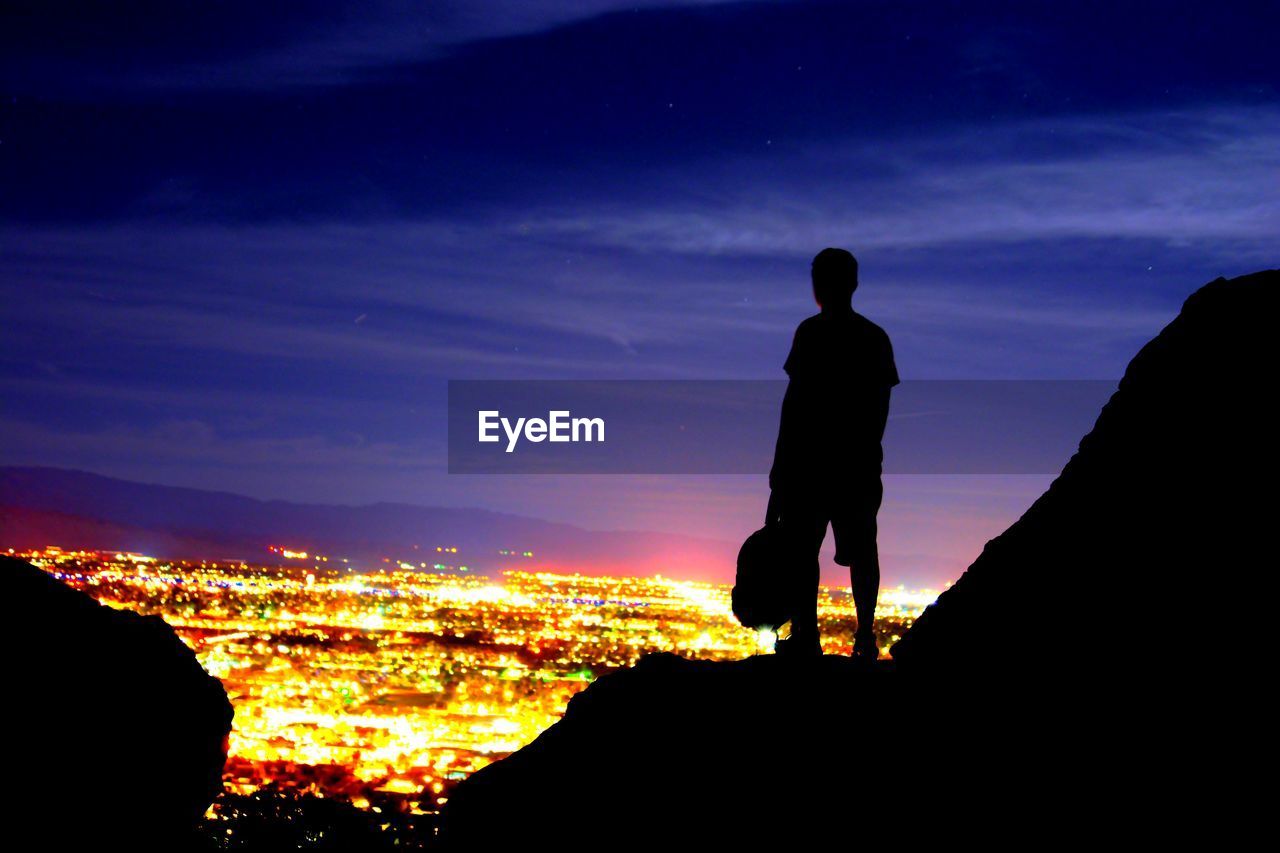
(653, 753)
(1122, 565)
(117, 735)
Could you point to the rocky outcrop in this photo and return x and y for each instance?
(116, 735)
(1097, 672)
(1159, 519)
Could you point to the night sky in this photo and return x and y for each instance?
(245, 244)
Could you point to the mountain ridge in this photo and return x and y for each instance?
(243, 526)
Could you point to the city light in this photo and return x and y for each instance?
(400, 681)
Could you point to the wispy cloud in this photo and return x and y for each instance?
(957, 247)
(1142, 176)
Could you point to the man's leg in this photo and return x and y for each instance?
(855, 531)
(864, 578)
(804, 607)
(804, 528)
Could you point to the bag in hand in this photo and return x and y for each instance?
(759, 591)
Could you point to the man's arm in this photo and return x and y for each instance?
(881, 410)
(890, 376)
(783, 448)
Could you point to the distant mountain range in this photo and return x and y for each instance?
(77, 509)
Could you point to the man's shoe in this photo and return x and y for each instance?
(791, 649)
(865, 649)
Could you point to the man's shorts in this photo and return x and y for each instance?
(850, 504)
(853, 519)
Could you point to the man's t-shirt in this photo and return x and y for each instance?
(841, 368)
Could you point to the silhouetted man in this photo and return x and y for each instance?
(826, 466)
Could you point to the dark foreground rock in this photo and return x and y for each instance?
(1099, 674)
(680, 754)
(116, 735)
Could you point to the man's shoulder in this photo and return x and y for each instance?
(869, 326)
(829, 343)
(877, 346)
(809, 331)
(837, 327)
(809, 323)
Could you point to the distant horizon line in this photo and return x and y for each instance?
(34, 556)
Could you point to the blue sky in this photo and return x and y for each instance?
(244, 248)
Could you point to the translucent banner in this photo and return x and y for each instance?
(730, 426)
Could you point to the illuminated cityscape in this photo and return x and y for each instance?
(382, 688)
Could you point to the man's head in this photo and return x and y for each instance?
(835, 277)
